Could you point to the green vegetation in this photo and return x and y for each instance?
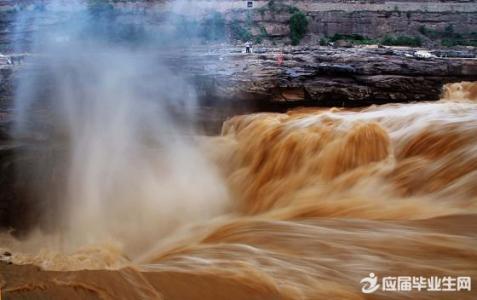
(448, 36)
(213, 27)
(187, 28)
(436, 34)
(298, 27)
(293, 9)
(357, 39)
(243, 30)
(402, 40)
(278, 7)
(238, 32)
(100, 24)
(298, 22)
(451, 42)
(324, 41)
(353, 38)
(263, 31)
(451, 38)
(271, 5)
(263, 35)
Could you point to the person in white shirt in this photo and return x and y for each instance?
(248, 47)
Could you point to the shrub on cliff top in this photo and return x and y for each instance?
(298, 27)
(402, 41)
(448, 32)
(238, 32)
(452, 42)
(353, 38)
(293, 9)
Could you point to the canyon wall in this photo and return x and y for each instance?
(368, 18)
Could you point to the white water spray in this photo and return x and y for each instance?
(133, 171)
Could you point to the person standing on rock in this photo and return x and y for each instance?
(248, 47)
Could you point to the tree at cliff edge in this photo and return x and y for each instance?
(298, 27)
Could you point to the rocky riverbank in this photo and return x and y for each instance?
(311, 76)
(325, 76)
(230, 82)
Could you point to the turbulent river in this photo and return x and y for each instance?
(317, 200)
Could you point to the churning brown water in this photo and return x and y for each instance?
(320, 199)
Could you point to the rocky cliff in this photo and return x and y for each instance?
(294, 76)
(324, 76)
(268, 22)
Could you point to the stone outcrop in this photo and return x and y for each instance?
(372, 21)
(323, 76)
(315, 76)
(275, 79)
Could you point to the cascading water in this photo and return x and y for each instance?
(301, 205)
(323, 198)
(127, 158)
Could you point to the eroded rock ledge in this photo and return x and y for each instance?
(322, 76)
(275, 79)
(317, 76)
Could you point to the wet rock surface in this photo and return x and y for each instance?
(321, 76)
(228, 81)
(316, 76)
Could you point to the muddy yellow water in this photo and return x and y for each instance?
(321, 198)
